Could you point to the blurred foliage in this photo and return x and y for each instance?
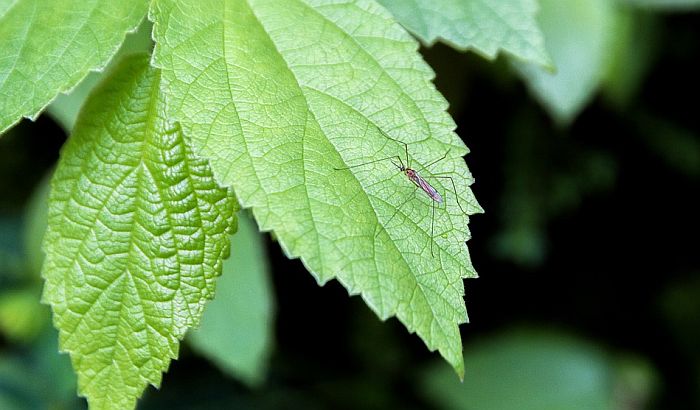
(578, 35)
(535, 369)
(237, 327)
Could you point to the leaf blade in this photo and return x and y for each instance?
(50, 47)
(137, 233)
(483, 26)
(277, 95)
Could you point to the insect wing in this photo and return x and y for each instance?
(428, 189)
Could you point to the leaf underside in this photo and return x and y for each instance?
(485, 26)
(137, 233)
(47, 47)
(278, 94)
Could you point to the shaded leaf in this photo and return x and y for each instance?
(484, 26)
(578, 34)
(526, 370)
(665, 5)
(236, 330)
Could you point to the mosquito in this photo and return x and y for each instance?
(418, 181)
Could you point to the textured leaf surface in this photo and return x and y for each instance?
(138, 230)
(278, 94)
(237, 326)
(49, 46)
(485, 26)
(65, 108)
(579, 36)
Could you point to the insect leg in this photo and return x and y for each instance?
(405, 146)
(432, 232)
(367, 163)
(437, 160)
(412, 196)
(454, 187)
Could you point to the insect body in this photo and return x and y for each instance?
(422, 184)
(418, 181)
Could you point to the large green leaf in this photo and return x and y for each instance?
(138, 230)
(236, 329)
(278, 95)
(48, 46)
(579, 36)
(486, 26)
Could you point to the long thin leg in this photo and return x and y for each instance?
(405, 146)
(412, 196)
(370, 162)
(437, 160)
(432, 231)
(454, 187)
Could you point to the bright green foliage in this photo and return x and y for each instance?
(48, 46)
(578, 34)
(486, 26)
(65, 108)
(279, 94)
(236, 329)
(138, 230)
(665, 4)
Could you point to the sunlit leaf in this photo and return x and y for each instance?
(277, 95)
(65, 107)
(138, 230)
(47, 47)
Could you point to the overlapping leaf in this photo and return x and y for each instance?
(486, 26)
(48, 46)
(278, 95)
(138, 230)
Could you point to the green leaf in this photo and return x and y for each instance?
(666, 5)
(138, 230)
(65, 107)
(279, 94)
(527, 370)
(484, 26)
(579, 35)
(47, 47)
(237, 326)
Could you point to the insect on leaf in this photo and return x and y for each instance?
(278, 95)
